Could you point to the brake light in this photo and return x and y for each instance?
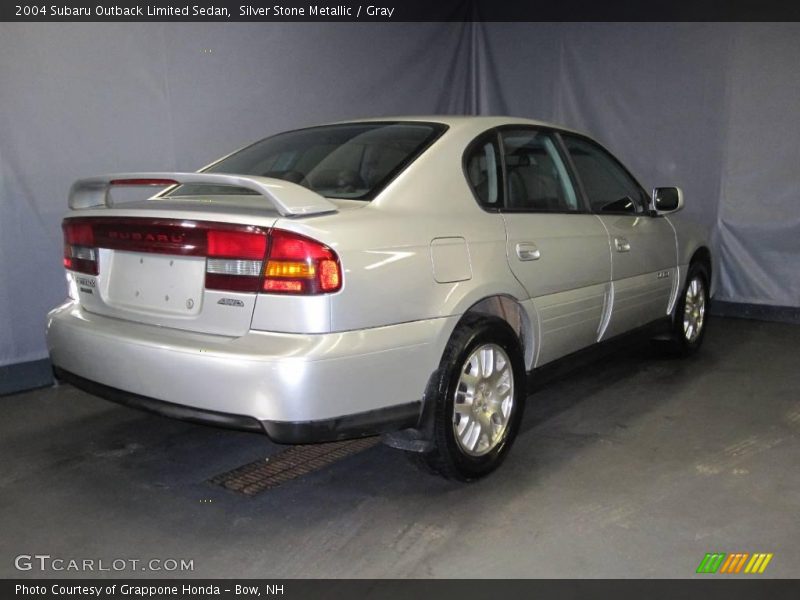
(79, 252)
(239, 258)
(237, 244)
(142, 182)
(300, 265)
(234, 260)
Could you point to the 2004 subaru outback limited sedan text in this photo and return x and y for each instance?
(395, 276)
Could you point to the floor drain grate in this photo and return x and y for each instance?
(294, 462)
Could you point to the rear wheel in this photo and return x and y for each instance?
(479, 400)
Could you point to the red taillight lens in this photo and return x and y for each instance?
(80, 253)
(237, 244)
(330, 279)
(78, 233)
(234, 259)
(300, 265)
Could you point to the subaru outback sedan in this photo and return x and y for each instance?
(399, 276)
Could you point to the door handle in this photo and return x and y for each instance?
(528, 251)
(622, 244)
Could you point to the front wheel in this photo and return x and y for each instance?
(479, 399)
(691, 312)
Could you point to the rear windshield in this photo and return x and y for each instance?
(353, 161)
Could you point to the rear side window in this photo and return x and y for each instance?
(353, 160)
(608, 186)
(484, 171)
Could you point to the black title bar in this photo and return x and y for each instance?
(402, 10)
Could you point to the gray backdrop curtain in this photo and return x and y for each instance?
(714, 108)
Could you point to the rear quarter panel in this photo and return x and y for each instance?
(385, 247)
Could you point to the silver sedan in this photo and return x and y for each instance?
(399, 276)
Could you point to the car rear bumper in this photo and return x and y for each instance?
(296, 388)
(349, 426)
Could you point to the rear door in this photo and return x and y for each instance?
(643, 247)
(556, 249)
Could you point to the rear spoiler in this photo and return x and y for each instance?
(289, 199)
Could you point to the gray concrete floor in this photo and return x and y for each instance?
(634, 466)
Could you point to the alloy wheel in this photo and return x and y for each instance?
(694, 309)
(484, 399)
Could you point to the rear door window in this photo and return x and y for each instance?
(537, 178)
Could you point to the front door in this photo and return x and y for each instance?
(643, 247)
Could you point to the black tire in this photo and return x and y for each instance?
(682, 342)
(448, 458)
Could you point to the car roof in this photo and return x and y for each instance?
(478, 123)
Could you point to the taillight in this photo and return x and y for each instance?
(234, 260)
(239, 258)
(299, 265)
(80, 253)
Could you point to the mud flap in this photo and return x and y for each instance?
(418, 438)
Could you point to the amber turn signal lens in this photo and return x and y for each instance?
(289, 269)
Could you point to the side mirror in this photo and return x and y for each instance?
(667, 200)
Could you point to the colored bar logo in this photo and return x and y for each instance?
(720, 562)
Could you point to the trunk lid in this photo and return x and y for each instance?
(191, 262)
(158, 262)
